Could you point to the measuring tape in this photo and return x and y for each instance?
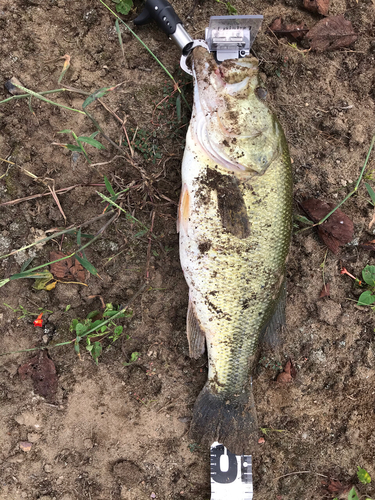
(231, 475)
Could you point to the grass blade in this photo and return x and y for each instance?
(87, 265)
(370, 192)
(117, 24)
(109, 187)
(91, 141)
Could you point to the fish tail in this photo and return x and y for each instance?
(230, 420)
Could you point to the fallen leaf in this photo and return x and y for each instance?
(331, 33)
(41, 369)
(288, 374)
(337, 488)
(337, 230)
(295, 31)
(319, 6)
(325, 291)
(25, 446)
(67, 269)
(369, 245)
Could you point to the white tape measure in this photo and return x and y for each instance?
(231, 475)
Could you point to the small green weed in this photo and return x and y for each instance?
(193, 447)
(367, 298)
(109, 330)
(270, 363)
(145, 143)
(123, 6)
(25, 313)
(133, 358)
(230, 8)
(80, 141)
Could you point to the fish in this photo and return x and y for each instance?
(234, 222)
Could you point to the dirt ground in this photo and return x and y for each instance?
(121, 432)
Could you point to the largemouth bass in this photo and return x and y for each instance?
(235, 226)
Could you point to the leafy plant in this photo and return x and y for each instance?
(133, 358)
(80, 141)
(363, 475)
(230, 8)
(367, 298)
(123, 6)
(145, 144)
(101, 328)
(25, 313)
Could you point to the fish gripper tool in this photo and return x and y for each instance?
(227, 37)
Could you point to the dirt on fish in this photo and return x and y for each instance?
(121, 432)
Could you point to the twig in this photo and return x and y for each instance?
(301, 472)
(122, 124)
(149, 247)
(57, 201)
(33, 196)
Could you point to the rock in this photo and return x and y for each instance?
(26, 446)
(28, 419)
(33, 437)
(48, 468)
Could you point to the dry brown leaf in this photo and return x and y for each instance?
(325, 291)
(41, 369)
(67, 269)
(337, 488)
(320, 6)
(331, 33)
(288, 374)
(337, 230)
(294, 31)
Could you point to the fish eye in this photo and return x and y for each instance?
(261, 93)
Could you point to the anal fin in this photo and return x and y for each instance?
(195, 334)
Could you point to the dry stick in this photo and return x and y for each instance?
(55, 235)
(301, 472)
(140, 290)
(54, 196)
(149, 247)
(122, 124)
(33, 196)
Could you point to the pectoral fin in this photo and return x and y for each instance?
(183, 210)
(195, 334)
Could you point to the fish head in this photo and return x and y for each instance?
(234, 124)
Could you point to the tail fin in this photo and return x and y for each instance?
(231, 421)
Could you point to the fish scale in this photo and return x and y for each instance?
(235, 228)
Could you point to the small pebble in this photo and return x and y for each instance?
(25, 446)
(48, 468)
(33, 437)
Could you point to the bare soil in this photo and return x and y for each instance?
(116, 432)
